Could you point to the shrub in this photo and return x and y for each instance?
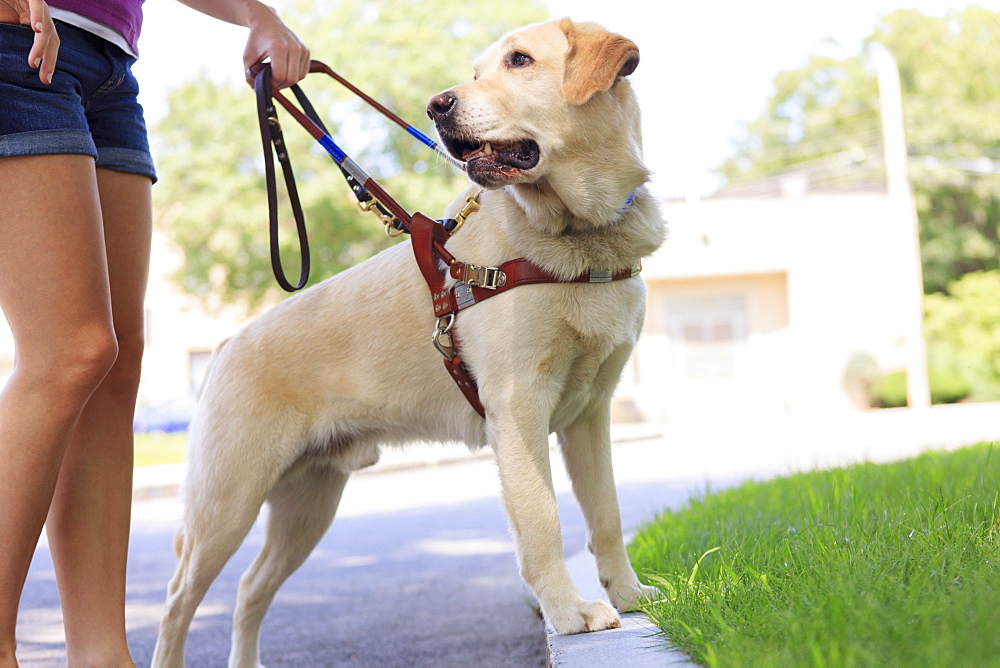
(963, 332)
(890, 391)
(947, 387)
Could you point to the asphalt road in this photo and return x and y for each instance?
(418, 568)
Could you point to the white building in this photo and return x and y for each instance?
(757, 306)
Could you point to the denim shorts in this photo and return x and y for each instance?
(90, 108)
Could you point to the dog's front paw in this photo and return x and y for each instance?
(632, 596)
(583, 617)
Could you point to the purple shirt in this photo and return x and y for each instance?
(125, 16)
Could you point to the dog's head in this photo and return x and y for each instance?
(547, 101)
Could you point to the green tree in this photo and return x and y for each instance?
(823, 120)
(963, 332)
(211, 199)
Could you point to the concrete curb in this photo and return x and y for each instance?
(637, 644)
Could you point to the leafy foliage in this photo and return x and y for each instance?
(211, 198)
(947, 387)
(963, 331)
(823, 121)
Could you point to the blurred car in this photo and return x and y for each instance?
(170, 416)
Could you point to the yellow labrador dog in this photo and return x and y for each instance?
(305, 395)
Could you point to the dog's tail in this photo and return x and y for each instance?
(178, 542)
(211, 363)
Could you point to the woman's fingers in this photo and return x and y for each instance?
(271, 39)
(45, 49)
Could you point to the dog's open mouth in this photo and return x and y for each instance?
(521, 155)
(494, 161)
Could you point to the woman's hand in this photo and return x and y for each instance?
(45, 50)
(271, 38)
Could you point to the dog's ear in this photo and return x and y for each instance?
(595, 59)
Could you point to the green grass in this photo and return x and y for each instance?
(871, 565)
(152, 449)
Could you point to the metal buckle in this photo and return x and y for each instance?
(471, 206)
(490, 278)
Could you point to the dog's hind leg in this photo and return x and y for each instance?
(301, 507)
(586, 449)
(204, 545)
(223, 494)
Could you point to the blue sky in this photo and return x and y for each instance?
(706, 65)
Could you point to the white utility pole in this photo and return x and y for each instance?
(901, 195)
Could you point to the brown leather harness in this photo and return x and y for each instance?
(429, 237)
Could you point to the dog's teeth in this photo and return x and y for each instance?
(488, 148)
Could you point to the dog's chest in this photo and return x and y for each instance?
(585, 372)
(591, 334)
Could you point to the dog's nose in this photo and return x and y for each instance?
(441, 105)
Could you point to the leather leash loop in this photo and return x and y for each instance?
(272, 138)
(370, 196)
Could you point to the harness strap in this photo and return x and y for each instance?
(424, 232)
(479, 283)
(476, 284)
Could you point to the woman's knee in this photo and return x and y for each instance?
(69, 366)
(90, 361)
(123, 378)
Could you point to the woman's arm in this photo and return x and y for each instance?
(269, 37)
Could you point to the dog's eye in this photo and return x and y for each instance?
(519, 59)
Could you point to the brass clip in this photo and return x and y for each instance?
(471, 206)
(372, 206)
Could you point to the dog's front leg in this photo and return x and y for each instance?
(586, 448)
(521, 446)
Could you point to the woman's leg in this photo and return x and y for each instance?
(88, 523)
(54, 293)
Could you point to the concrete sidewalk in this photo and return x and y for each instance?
(723, 449)
(720, 453)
